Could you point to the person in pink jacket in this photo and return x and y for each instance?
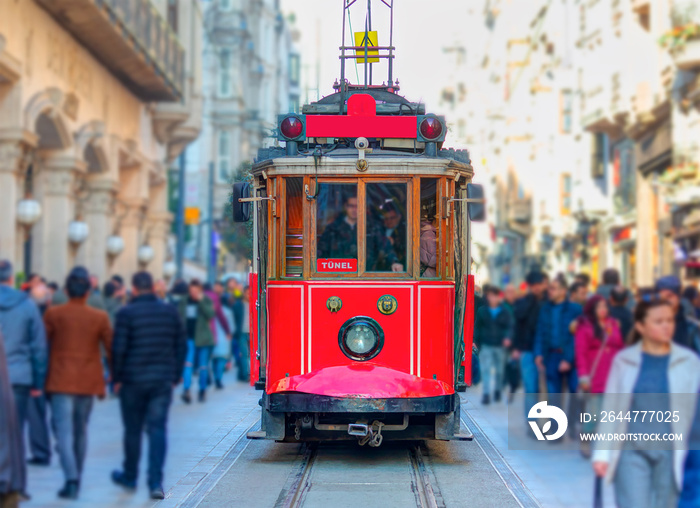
(597, 341)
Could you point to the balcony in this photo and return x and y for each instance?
(131, 39)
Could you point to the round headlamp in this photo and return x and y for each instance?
(361, 338)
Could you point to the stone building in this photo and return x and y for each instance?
(250, 75)
(96, 100)
(584, 119)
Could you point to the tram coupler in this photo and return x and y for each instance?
(358, 429)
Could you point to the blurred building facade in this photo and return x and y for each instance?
(586, 117)
(251, 74)
(96, 100)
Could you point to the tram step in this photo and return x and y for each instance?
(463, 437)
(256, 434)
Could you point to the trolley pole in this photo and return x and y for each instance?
(180, 218)
(211, 264)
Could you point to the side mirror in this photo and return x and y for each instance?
(241, 211)
(477, 208)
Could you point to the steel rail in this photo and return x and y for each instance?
(427, 491)
(512, 481)
(297, 486)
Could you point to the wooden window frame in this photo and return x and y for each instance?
(277, 227)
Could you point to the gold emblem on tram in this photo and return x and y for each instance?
(334, 304)
(387, 304)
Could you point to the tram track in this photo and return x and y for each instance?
(300, 482)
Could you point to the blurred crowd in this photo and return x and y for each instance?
(63, 346)
(607, 348)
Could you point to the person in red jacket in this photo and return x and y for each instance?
(597, 341)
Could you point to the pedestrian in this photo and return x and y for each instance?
(13, 475)
(219, 324)
(148, 355)
(244, 338)
(39, 438)
(692, 295)
(620, 311)
(95, 297)
(690, 495)
(222, 350)
(197, 312)
(25, 343)
(645, 475)
(583, 280)
(611, 280)
(687, 329)
(234, 301)
(597, 341)
(161, 289)
(75, 332)
(526, 311)
(578, 293)
(493, 330)
(112, 302)
(554, 341)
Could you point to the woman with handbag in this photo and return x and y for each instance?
(597, 341)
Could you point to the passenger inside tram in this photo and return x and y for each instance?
(337, 225)
(428, 228)
(386, 228)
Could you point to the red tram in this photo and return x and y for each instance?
(361, 293)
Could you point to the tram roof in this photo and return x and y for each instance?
(342, 162)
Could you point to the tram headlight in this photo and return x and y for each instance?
(361, 338)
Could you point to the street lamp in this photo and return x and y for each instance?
(28, 213)
(115, 245)
(169, 269)
(78, 232)
(145, 254)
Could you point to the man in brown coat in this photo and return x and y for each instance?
(75, 375)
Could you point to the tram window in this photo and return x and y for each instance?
(336, 221)
(294, 256)
(387, 228)
(428, 227)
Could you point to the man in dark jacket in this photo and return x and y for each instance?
(148, 354)
(554, 339)
(493, 329)
(687, 330)
(526, 310)
(25, 342)
(619, 310)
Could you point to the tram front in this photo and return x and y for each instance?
(361, 263)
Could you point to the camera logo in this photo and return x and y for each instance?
(542, 411)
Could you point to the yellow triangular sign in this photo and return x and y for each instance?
(366, 39)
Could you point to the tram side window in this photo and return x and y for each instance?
(336, 221)
(387, 228)
(428, 227)
(294, 256)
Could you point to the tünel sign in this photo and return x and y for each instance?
(336, 265)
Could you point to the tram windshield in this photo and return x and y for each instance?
(336, 221)
(387, 229)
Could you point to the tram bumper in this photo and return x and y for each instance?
(359, 392)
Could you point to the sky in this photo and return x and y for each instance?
(421, 31)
